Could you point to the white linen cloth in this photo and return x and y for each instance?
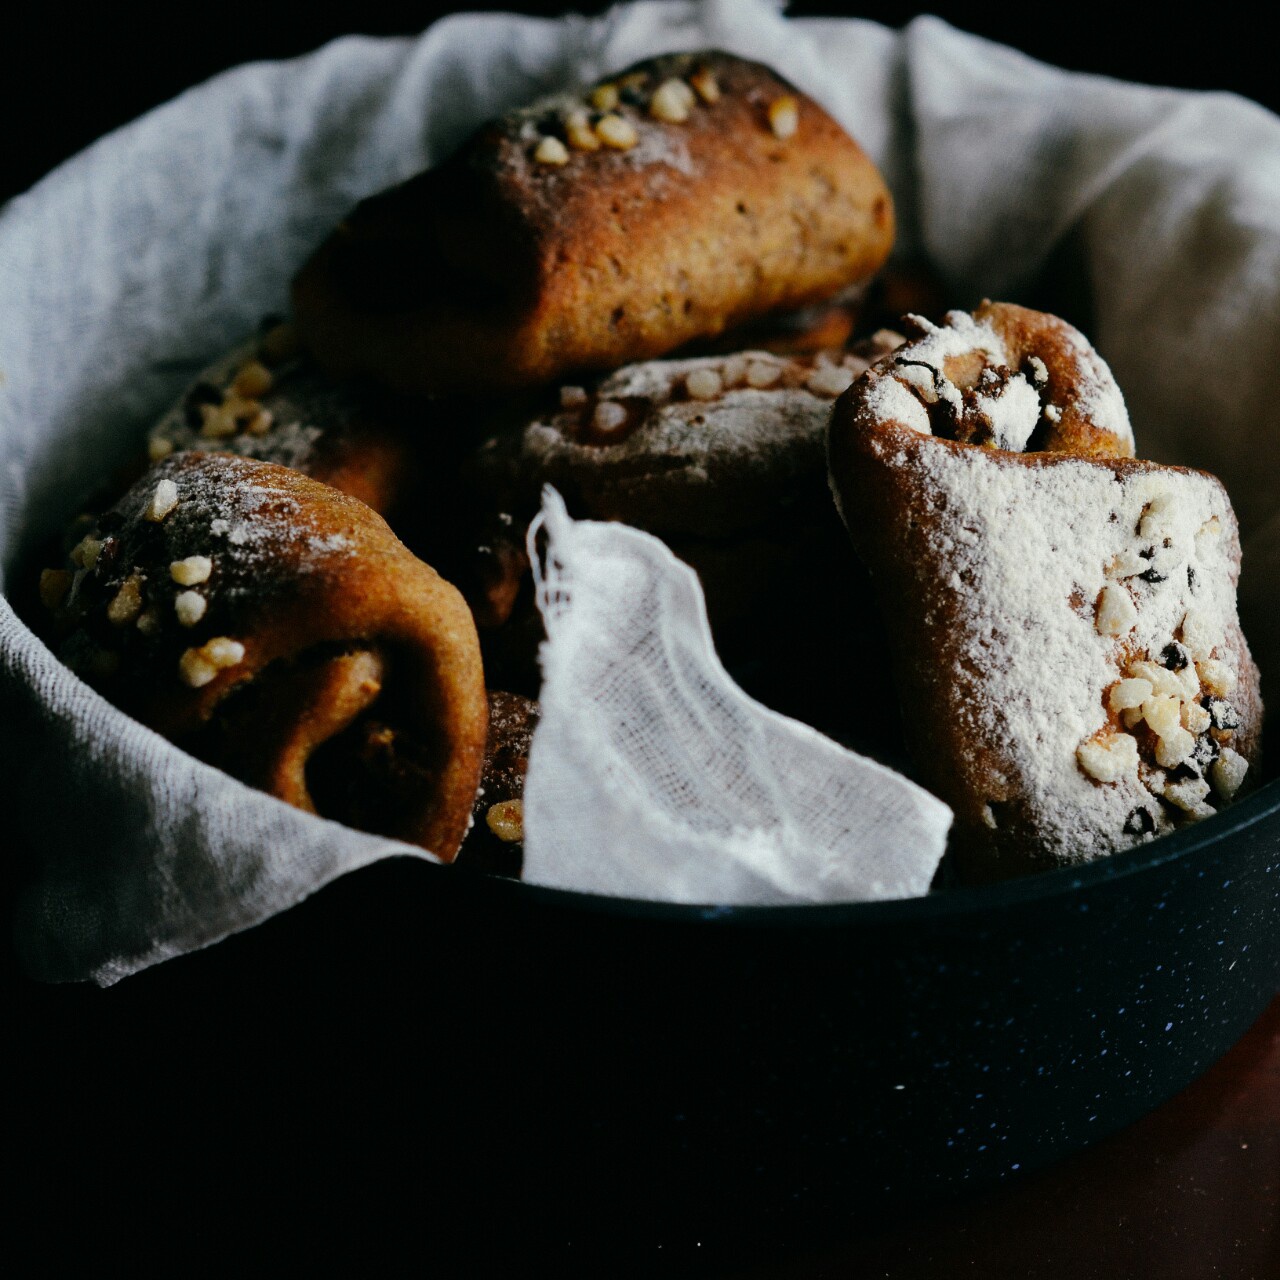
(136, 262)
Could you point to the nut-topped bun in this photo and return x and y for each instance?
(683, 196)
(278, 629)
(1063, 620)
(266, 400)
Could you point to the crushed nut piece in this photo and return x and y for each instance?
(1227, 772)
(253, 381)
(672, 101)
(217, 422)
(784, 116)
(159, 447)
(1216, 676)
(1187, 794)
(760, 375)
(734, 371)
(551, 151)
(1154, 515)
(705, 85)
(54, 585)
(126, 604)
(197, 667)
(1174, 747)
(190, 607)
(830, 380)
(1161, 679)
(1052, 412)
(609, 416)
(191, 571)
(1162, 713)
(616, 132)
(86, 552)
(260, 423)
(704, 384)
(149, 621)
(1128, 693)
(163, 500)
(1109, 758)
(1039, 371)
(1195, 719)
(577, 128)
(604, 97)
(506, 820)
(1117, 613)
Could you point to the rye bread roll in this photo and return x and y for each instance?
(1066, 649)
(686, 195)
(276, 628)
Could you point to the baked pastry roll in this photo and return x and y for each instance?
(1072, 673)
(683, 196)
(266, 400)
(275, 627)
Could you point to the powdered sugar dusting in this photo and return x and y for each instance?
(1032, 549)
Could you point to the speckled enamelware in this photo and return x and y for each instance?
(598, 1065)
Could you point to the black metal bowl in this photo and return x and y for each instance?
(508, 1054)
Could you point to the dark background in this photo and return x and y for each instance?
(67, 80)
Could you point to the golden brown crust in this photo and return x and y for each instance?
(497, 270)
(257, 617)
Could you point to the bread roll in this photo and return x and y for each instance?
(686, 195)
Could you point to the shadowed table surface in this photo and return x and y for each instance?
(1191, 1190)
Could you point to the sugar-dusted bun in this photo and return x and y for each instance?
(277, 628)
(1066, 648)
(688, 194)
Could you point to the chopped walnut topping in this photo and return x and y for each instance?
(609, 416)
(672, 101)
(192, 571)
(253, 381)
(577, 128)
(260, 423)
(163, 500)
(1174, 747)
(1116, 611)
(190, 607)
(1163, 713)
(54, 585)
(1161, 679)
(784, 116)
(197, 667)
(126, 604)
(1216, 677)
(1227, 772)
(704, 384)
(616, 132)
(734, 371)
(705, 85)
(573, 397)
(1128, 693)
(86, 552)
(506, 820)
(604, 97)
(551, 151)
(217, 422)
(1153, 515)
(760, 375)
(159, 447)
(1188, 794)
(1109, 758)
(830, 380)
(1195, 719)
